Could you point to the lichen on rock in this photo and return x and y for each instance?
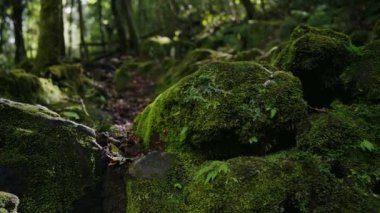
(226, 109)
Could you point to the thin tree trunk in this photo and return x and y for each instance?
(100, 20)
(17, 10)
(133, 33)
(82, 29)
(248, 6)
(51, 39)
(119, 26)
(70, 32)
(2, 26)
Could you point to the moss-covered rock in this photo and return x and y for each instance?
(8, 202)
(317, 57)
(362, 77)
(162, 193)
(189, 65)
(21, 86)
(286, 182)
(292, 181)
(45, 160)
(226, 109)
(69, 77)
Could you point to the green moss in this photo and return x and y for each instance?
(362, 77)
(52, 159)
(286, 182)
(69, 77)
(8, 202)
(226, 109)
(189, 65)
(165, 194)
(21, 86)
(317, 57)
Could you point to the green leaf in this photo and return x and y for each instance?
(71, 115)
(177, 186)
(253, 140)
(365, 145)
(273, 112)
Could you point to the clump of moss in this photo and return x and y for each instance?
(189, 65)
(226, 109)
(317, 57)
(286, 182)
(362, 77)
(51, 160)
(8, 202)
(21, 86)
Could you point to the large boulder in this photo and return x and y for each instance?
(226, 109)
(362, 77)
(317, 57)
(45, 160)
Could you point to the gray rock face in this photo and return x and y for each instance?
(153, 165)
(8, 202)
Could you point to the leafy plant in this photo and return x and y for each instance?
(209, 172)
(366, 145)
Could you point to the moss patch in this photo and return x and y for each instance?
(362, 77)
(226, 109)
(51, 159)
(317, 57)
(21, 86)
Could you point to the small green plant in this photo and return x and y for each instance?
(366, 145)
(209, 172)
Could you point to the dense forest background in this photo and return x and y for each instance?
(111, 106)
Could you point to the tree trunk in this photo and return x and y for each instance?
(2, 26)
(51, 37)
(248, 6)
(83, 46)
(71, 4)
(100, 20)
(17, 10)
(133, 33)
(119, 26)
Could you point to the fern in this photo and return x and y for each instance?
(211, 171)
(365, 145)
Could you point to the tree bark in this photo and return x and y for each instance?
(51, 38)
(100, 22)
(17, 11)
(82, 29)
(2, 26)
(119, 27)
(248, 6)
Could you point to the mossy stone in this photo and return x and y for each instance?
(8, 202)
(362, 77)
(226, 109)
(248, 55)
(317, 57)
(45, 160)
(22, 86)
